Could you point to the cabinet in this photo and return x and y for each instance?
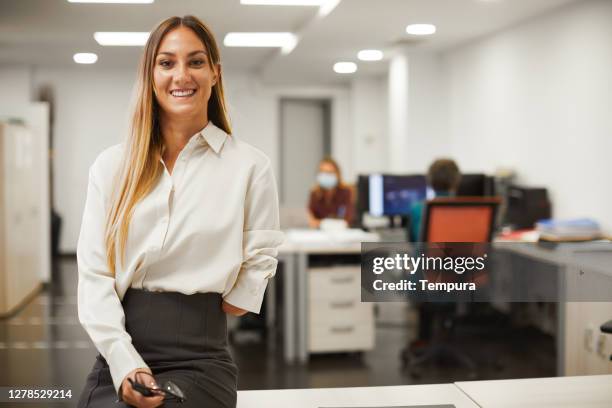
(337, 319)
(20, 219)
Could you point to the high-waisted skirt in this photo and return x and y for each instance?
(182, 338)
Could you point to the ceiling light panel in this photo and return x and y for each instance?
(85, 58)
(121, 38)
(370, 55)
(283, 40)
(345, 67)
(283, 2)
(421, 29)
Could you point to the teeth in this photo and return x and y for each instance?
(183, 93)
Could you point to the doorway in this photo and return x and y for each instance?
(305, 138)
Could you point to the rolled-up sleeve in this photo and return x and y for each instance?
(261, 238)
(99, 307)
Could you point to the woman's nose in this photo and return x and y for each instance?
(182, 72)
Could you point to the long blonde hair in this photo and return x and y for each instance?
(141, 168)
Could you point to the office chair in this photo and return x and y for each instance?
(456, 219)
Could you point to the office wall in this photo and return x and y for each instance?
(537, 98)
(370, 123)
(427, 112)
(418, 111)
(15, 83)
(90, 110)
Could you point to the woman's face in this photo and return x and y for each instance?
(183, 75)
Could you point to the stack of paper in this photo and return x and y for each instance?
(580, 229)
(318, 237)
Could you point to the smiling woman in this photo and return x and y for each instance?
(201, 209)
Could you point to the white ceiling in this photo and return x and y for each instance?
(49, 32)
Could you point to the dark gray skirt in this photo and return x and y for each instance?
(183, 338)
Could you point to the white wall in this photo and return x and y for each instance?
(91, 110)
(427, 114)
(398, 91)
(418, 115)
(538, 98)
(370, 124)
(15, 83)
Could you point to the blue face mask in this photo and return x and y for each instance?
(327, 181)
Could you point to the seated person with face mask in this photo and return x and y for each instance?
(330, 198)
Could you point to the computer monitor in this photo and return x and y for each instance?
(363, 198)
(392, 195)
(476, 185)
(526, 206)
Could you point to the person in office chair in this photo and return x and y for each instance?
(443, 178)
(330, 197)
(180, 228)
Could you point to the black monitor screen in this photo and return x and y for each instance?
(395, 195)
(476, 185)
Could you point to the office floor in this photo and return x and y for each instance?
(43, 345)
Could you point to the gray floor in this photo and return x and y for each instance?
(43, 345)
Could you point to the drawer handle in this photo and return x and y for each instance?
(347, 279)
(342, 305)
(344, 329)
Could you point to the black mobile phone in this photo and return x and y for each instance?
(147, 392)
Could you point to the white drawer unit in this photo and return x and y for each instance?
(337, 319)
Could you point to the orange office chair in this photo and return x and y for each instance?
(456, 219)
(459, 219)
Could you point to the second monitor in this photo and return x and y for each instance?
(395, 195)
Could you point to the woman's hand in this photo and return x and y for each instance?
(231, 309)
(136, 399)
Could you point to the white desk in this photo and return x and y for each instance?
(404, 395)
(559, 392)
(299, 244)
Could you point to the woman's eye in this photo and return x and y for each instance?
(197, 63)
(165, 63)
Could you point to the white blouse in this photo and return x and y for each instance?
(210, 226)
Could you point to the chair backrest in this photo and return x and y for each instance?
(459, 219)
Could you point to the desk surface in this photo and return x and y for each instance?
(404, 395)
(594, 391)
(317, 241)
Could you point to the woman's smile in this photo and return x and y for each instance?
(183, 93)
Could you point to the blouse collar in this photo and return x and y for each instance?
(213, 136)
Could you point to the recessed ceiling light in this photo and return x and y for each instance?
(283, 2)
(113, 1)
(122, 38)
(421, 29)
(370, 55)
(345, 67)
(284, 40)
(85, 58)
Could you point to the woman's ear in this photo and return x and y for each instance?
(216, 74)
